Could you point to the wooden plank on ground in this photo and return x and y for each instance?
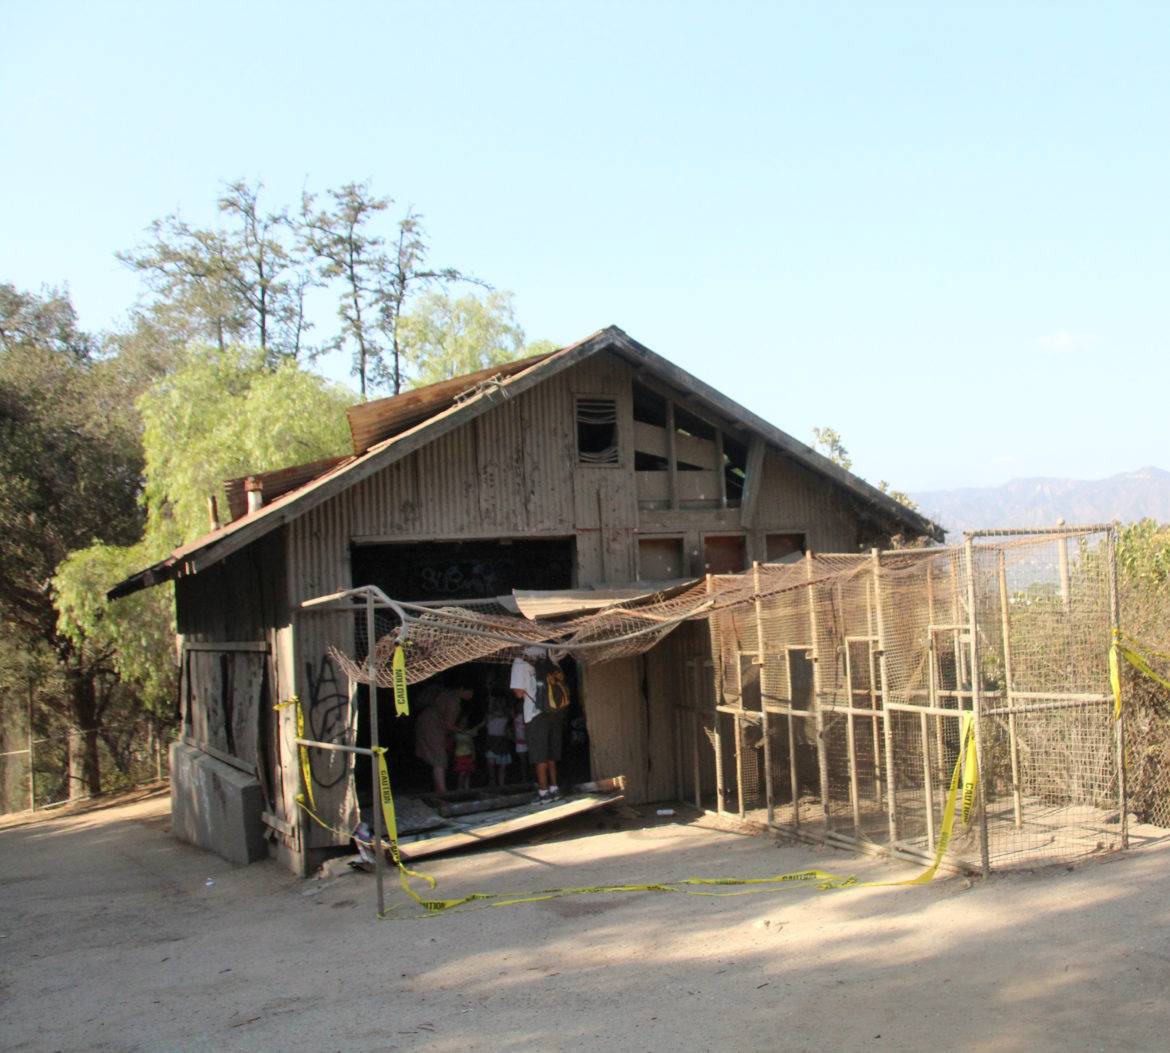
(538, 815)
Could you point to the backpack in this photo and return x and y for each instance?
(552, 689)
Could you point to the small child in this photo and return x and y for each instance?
(499, 730)
(520, 740)
(464, 737)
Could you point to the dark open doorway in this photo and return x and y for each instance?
(428, 571)
(450, 571)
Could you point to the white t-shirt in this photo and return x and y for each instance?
(524, 679)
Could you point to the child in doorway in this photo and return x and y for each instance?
(499, 740)
(520, 740)
(464, 736)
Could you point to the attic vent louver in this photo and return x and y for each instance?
(597, 438)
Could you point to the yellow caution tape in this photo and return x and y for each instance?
(1134, 656)
(306, 768)
(398, 669)
(965, 773)
(967, 764)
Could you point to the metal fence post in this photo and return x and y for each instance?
(1119, 731)
(761, 661)
(887, 714)
(818, 712)
(374, 744)
(976, 703)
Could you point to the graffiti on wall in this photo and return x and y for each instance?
(327, 716)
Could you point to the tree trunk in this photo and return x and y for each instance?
(85, 776)
(85, 773)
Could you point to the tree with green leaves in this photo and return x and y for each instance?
(240, 282)
(70, 466)
(351, 255)
(830, 442)
(444, 337)
(220, 415)
(409, 272)
(223, 415)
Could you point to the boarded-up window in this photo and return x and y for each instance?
(724, 555)
(225, 701)
(785, 548)
(597, 434)
(661, 558)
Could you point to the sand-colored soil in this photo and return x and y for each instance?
(114, 936)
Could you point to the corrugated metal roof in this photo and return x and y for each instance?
(449, 414)
(372, 422)
(275, 483)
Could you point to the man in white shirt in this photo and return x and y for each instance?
(542, 729)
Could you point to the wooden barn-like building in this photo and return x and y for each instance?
(596, 465)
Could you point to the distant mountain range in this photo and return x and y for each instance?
(1041, 502)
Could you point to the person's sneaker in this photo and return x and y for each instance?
(553, 793)
(543, 796)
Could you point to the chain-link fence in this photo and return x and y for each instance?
(838, 711)
(73, 765)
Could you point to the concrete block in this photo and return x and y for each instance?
(215, 806)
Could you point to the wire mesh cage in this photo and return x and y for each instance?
(868, 676)
(840, 696)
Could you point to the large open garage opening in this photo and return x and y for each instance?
(480, 763)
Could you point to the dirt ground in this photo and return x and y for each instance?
(114, 936)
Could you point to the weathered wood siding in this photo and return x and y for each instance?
(243, 599)
(511, 472)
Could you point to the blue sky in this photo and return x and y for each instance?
(941, 229)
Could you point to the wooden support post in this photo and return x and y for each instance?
(819, 716)
(932, 673)
(854, 795)
(679, 717)
(960, 657)
(793, 771)
(1062, 562)
(976, 704)
(1009, 700)
(695, 691)
(762, 659)
(716, 683)
(752, 483)
(374, 744)
(887, 726)
(671, 453)
(850, 731)
(695, 726)
(871, 657)
(1115, 626)
(927, 779)
(721, 468)
(738, 734)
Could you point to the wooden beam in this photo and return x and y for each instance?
(672, 453)
(721, 468)
(753, 481)
(695, 406)
(226, 645)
